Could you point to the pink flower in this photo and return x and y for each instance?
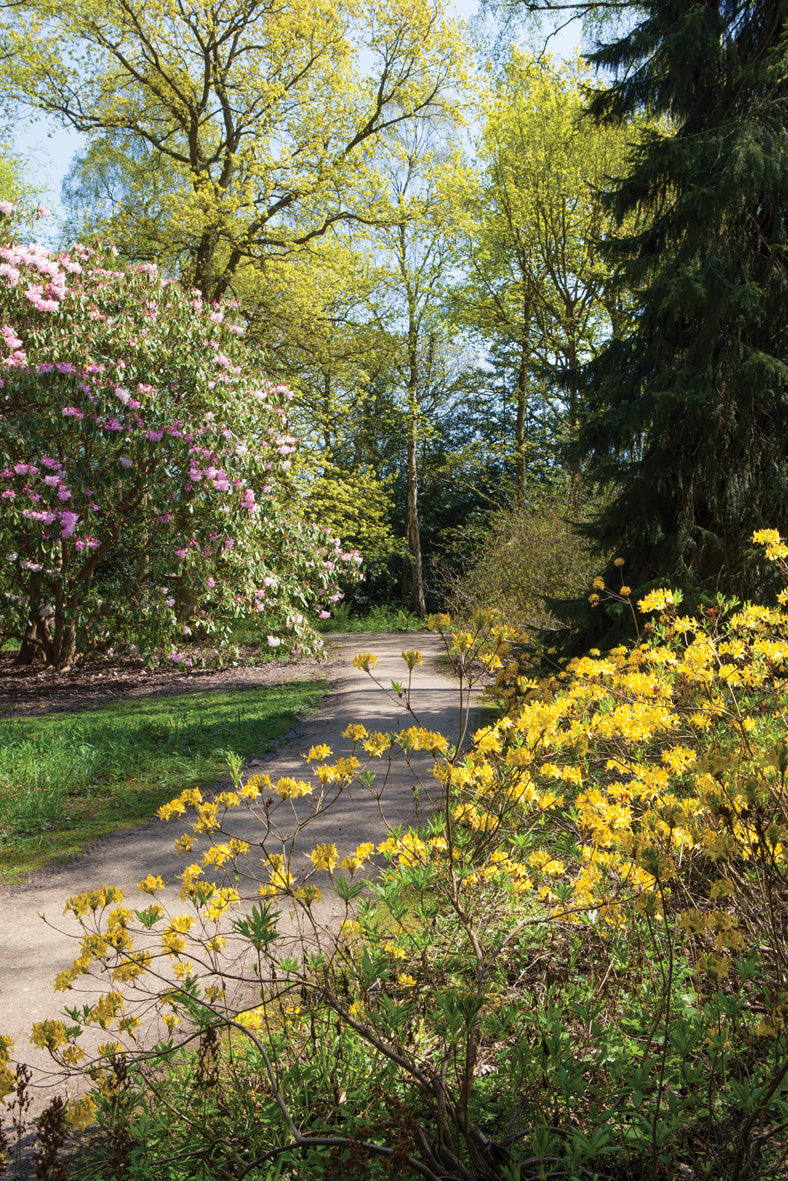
(181, 553)
(274, 641)
(6, 207)
(52, 481)
(72, 412)
(63, 493)
(325, 614)
(211, 582)
(69, 523)
(9, 494)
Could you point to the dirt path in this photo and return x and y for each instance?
(33, 952)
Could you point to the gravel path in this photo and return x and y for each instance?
(33, 951)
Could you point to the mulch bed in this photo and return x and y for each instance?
(26, 692)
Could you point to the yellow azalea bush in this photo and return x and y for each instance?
(576, 967)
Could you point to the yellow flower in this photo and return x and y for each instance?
(598, 583)
(81, 1111)
(254, 786)
(292, 789)
(48, 1034)
(356, 859)
(656, 600)
(221, 901)
(151, 884)
(365, 661)
(355, 732)
(776, 549)
(324, 856)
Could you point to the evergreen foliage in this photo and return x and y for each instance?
(687, 415)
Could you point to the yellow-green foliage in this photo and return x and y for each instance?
(264, 120)
(354, 506)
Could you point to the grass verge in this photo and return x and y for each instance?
(66, 779)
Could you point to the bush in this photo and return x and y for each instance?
(519, 558)
(143, 463)
(575, 968)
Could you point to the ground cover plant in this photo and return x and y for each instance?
(573, 968)
(378, 618)
(68, 778)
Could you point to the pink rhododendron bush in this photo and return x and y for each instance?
(143, 469)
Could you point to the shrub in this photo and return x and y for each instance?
(142, 467)
(519, 558)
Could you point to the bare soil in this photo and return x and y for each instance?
(31, 691)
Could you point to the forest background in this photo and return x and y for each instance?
(419, 262)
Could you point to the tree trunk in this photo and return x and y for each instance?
(574, 415)
(519, 426)
(28, 649)
(414, 536)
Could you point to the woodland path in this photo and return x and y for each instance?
(32, 952)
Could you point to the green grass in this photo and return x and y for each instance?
(376, 619)
(68, 778)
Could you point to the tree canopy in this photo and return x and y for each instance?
(260, 122)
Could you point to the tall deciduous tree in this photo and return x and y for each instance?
(688, 416)
(537, 287)
(417, 246)
(264, 117)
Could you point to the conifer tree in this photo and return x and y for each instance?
(687, 423)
